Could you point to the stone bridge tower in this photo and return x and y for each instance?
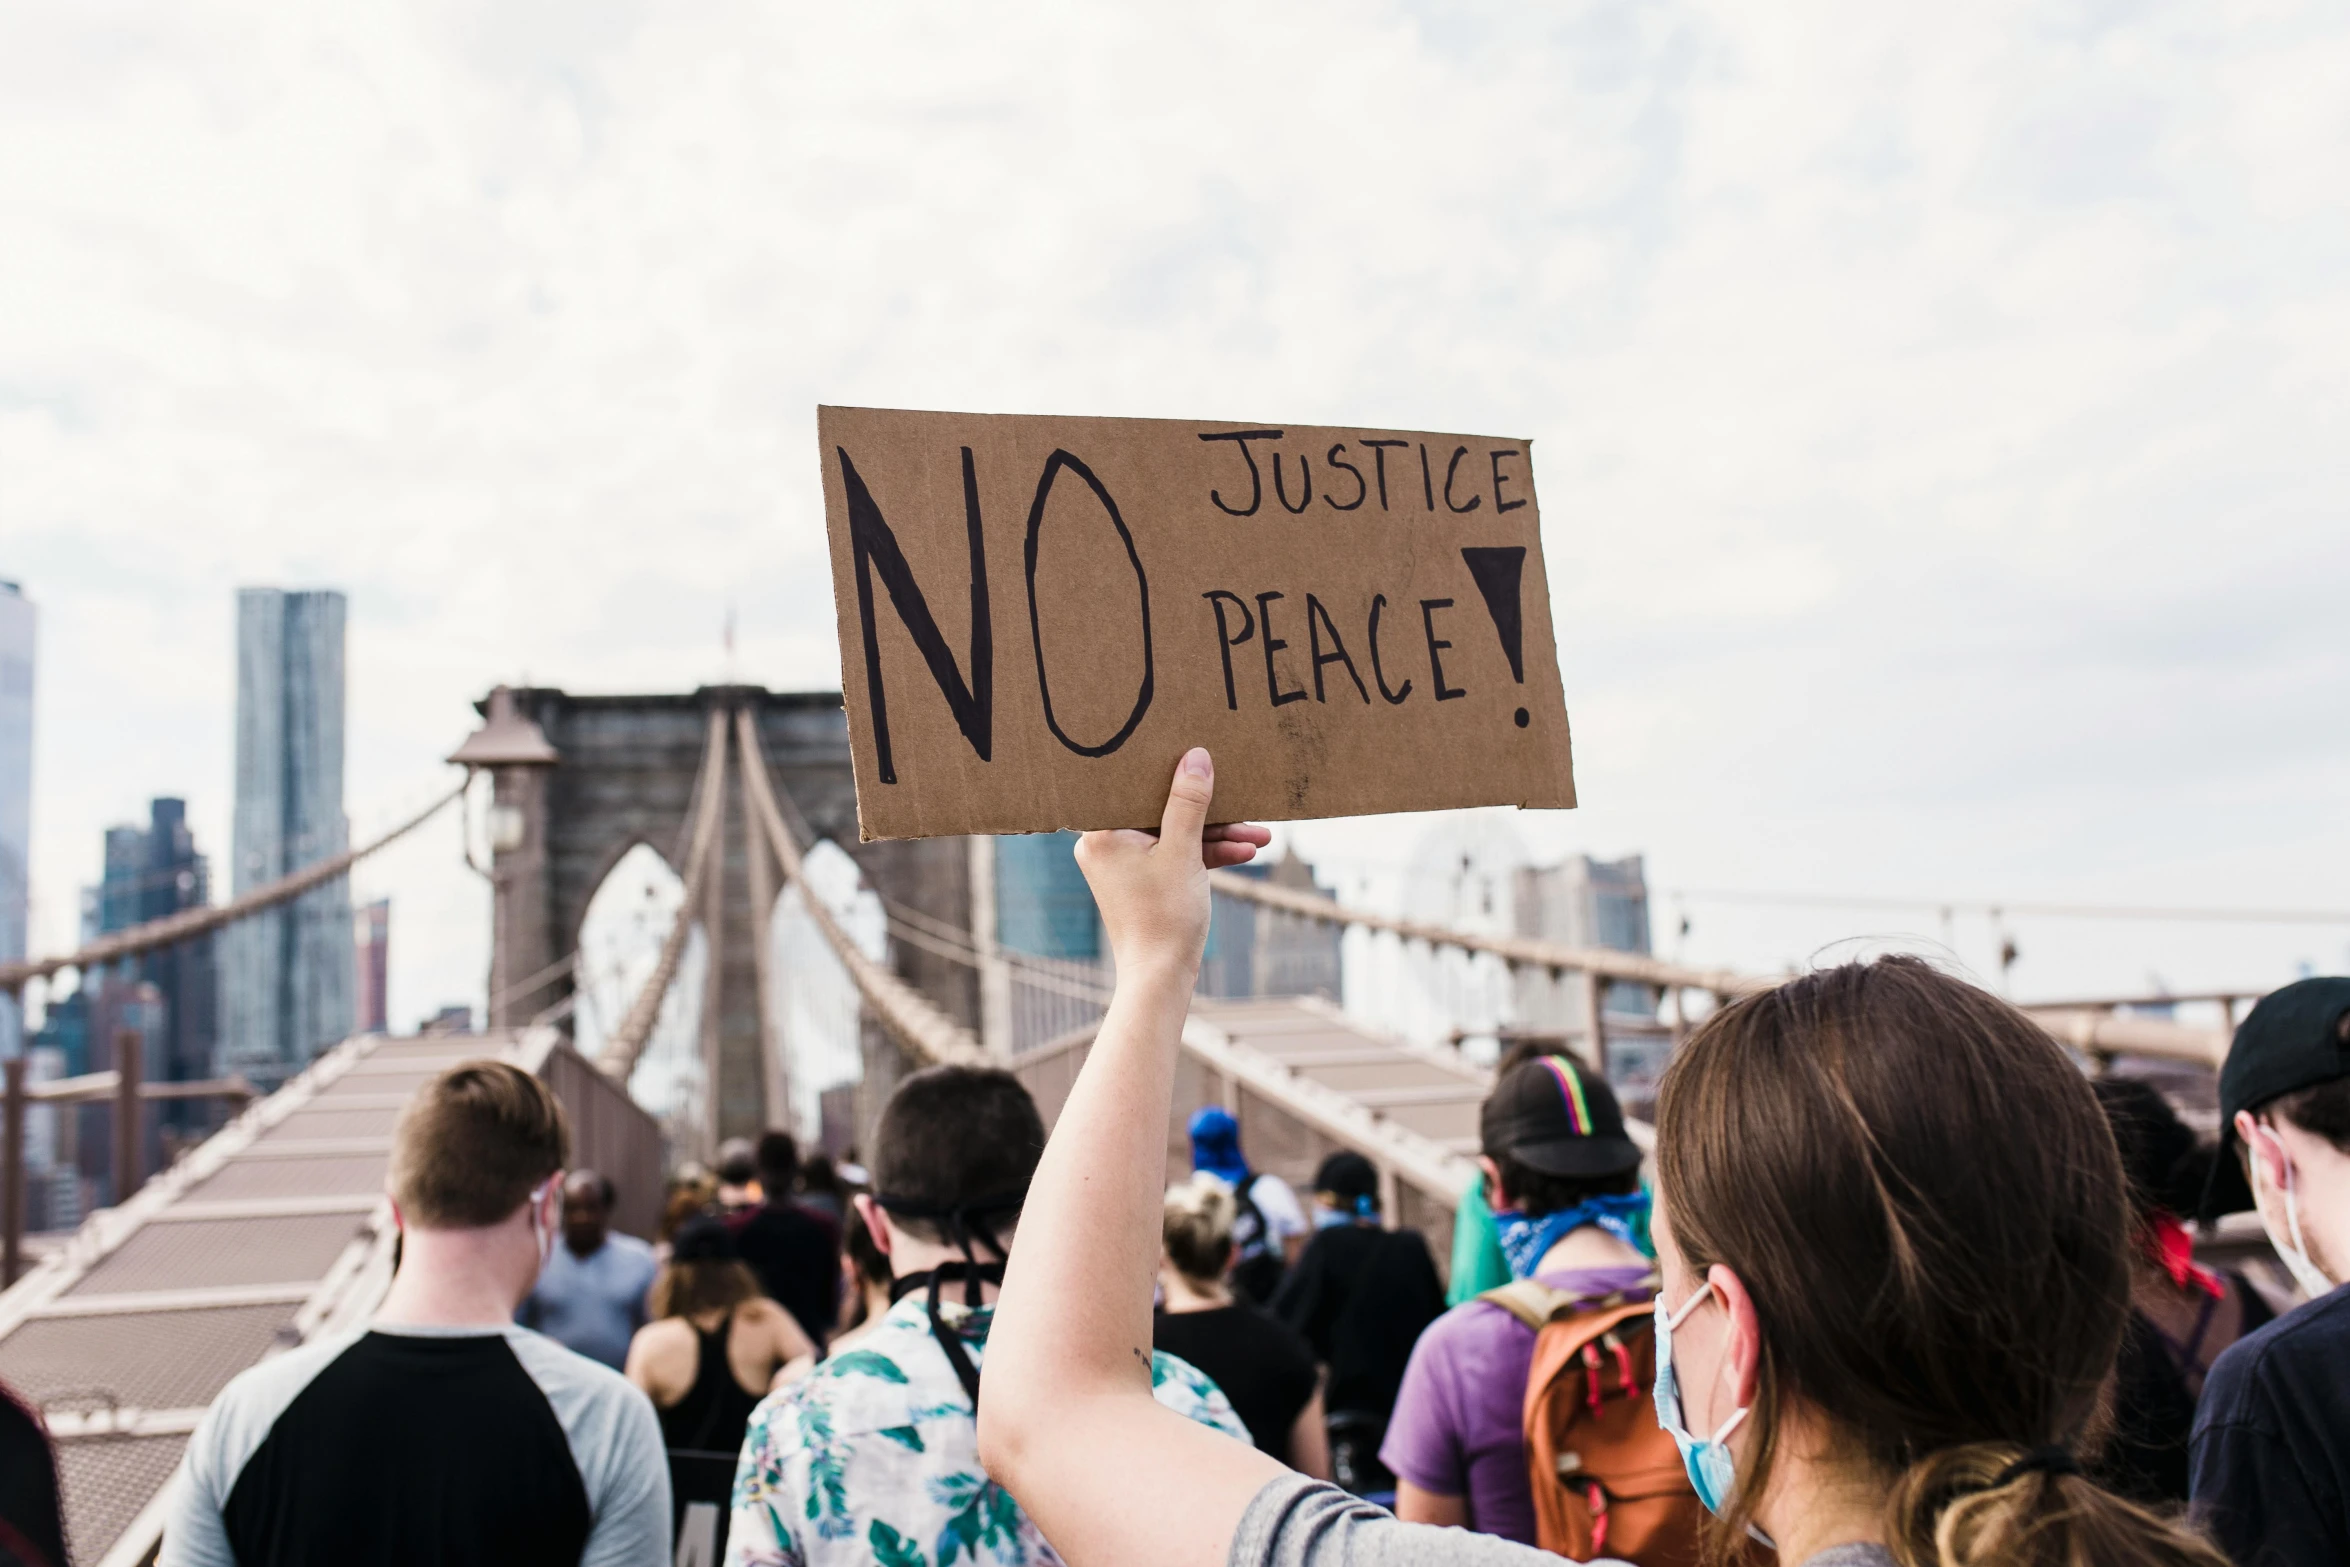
(581, 780)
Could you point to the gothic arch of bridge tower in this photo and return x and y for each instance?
(577, 780)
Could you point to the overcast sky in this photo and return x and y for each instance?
(1939, 412)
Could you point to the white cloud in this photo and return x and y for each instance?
(1938, 415)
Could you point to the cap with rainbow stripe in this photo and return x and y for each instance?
(1553, 1116)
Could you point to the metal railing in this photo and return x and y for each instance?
(129, 1093)
(124, 1085)
(2099, 1034)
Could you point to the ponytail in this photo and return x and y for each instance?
(1985, 1503)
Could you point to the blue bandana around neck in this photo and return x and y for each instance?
(1525, 1242)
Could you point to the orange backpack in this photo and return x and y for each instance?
(1607, 1479)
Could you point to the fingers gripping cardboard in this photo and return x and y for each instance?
(1038, 615)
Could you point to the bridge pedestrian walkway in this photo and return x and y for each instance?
(273, 1231)
(1304, 1080)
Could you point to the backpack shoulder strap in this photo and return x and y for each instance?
(1247, 1205)
(1530, 1301)
(1538, 1305)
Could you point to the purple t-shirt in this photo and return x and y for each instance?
(1458, 1426)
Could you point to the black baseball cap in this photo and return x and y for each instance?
(1550, 1115)
(704, 1238)
(2291, 1040)
(1349, 1175)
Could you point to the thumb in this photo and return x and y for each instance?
(1187, 801)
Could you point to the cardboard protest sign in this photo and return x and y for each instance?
(1039, 615)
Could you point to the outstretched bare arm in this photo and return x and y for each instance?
(1068, 1424)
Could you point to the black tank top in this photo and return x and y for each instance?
(704, 1430)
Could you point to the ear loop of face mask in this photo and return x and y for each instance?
(541, 1236)
(2296, 1259)
(1711, 1468)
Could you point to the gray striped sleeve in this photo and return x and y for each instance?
(616, 1441)
(1297, 1522)
(225, 1440)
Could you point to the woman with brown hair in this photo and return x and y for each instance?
(1890, 1223)
(1891, 1231)
(714, 1348)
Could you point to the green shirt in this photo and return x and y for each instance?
(1477, 1262)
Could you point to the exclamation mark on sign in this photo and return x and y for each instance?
(1498, 572)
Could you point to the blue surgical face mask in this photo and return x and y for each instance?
(1712, 1470)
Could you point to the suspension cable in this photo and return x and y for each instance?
(190, 923)
(906, 1013)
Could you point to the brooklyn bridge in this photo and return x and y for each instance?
(275, 1230)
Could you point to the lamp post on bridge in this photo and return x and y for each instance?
(515, 752)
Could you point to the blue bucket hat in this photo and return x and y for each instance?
(1215, 1145)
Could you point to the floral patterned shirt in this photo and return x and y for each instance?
(873, 1459)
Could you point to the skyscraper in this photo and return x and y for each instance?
(286, 976)
(374, 937)
(1043, 907)
(153, 872)
(16, 791)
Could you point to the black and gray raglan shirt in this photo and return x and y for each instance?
(466, 1447)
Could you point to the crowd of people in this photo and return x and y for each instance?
(1895, 1284)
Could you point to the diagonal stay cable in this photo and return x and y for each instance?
(1024, 970)
(945, 939)
(909, 1016)
(774, 1068)
(619, 1055)
(190, 923)
(539, 981)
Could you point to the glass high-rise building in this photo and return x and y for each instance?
(152, 873)
(16, 793)
(1043, 907)
(287, 975)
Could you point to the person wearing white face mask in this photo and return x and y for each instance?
(441, 1432)
(2269, 1467)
